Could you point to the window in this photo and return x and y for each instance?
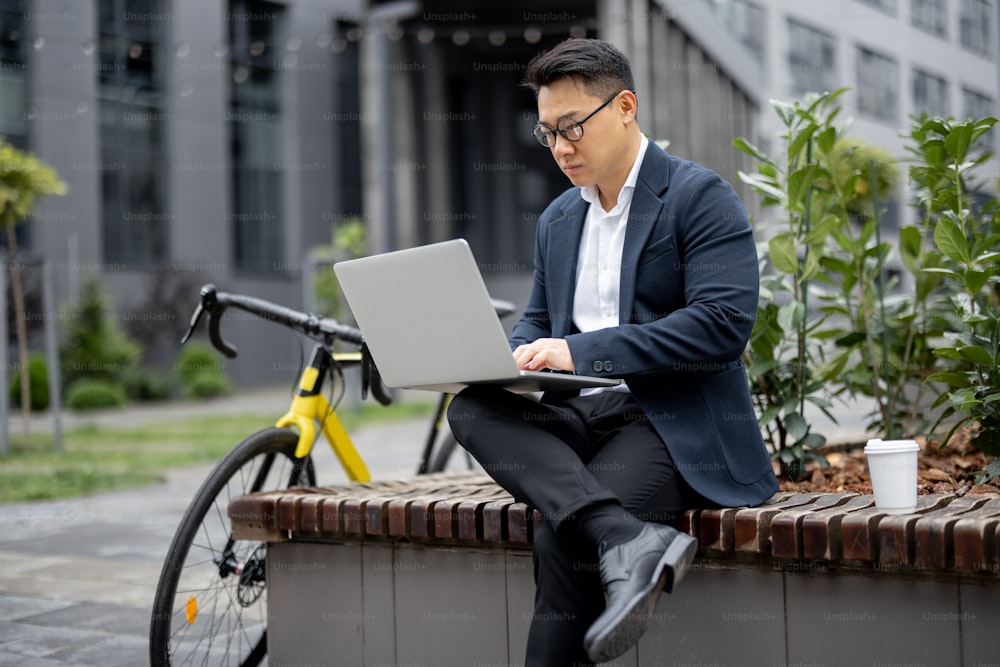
(255, 135)
(811, 59)
(930, 94)
(930, 16)
(975, 25)
(878, 85)
(347, 117)
(887, 6)
(133, 168)
(12, 73)
(976, 105)
(745, 20)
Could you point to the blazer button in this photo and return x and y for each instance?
(598, 366)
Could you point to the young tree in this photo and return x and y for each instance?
(24, 181)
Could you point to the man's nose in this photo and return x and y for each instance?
(562, 146)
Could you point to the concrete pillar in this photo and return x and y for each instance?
(377, 128)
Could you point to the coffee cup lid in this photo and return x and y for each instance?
(879, 446)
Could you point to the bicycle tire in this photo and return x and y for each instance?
(442, 453)
(210, 605)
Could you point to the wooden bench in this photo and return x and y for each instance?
(436, 570)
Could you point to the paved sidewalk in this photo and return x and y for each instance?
(77, 577)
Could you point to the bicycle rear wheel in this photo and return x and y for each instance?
(211, 600)
(443, 451)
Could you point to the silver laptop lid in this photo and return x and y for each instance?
(430, 324)
(427, 316)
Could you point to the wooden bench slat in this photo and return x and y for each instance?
(859, 530)
(945, 533)
(786, 526)
(974, 538)
(752, 525)
(821, 535)
(932, 535)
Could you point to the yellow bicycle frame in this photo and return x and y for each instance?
(309, 406)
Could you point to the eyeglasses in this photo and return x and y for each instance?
(570, 129)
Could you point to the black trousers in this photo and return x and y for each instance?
(559, 458)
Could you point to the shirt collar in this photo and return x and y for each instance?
(589, 192)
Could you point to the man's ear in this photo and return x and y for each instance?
(627, 105)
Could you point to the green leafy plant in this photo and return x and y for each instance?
(349, 239)
(873, 322)
(968, 243)
(93, 346)
(93, 393)
(784, 353)
(207, 385)
(38, 387)
(822, 268)
(146, 385)
(201, 372)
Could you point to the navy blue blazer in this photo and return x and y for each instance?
(689, 289)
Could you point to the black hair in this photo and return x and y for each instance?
(600, 67)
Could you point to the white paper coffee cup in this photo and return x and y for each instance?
(893, 468)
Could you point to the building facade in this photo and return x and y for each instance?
(900, 59)
(222, 140)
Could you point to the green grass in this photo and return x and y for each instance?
(105, 459)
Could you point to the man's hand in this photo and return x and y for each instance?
(544, 353)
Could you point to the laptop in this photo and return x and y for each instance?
(429, 323)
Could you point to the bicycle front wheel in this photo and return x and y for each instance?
(211, 601)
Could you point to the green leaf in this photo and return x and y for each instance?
(799, 182)
(958, 140)
(826, 139)
(781, 249)
(791, 315)
(975, 280)
(941, 271)
(745, 146)
(909, 247)
(813, 440)
(976, 355)
(812, 266)
(952, 379)
(797, 426)
(761, 367)
(785, 111)
(763, 185)
(950, 240)
(822, 229)
(801, 139)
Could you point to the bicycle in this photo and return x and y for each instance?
(210, 603)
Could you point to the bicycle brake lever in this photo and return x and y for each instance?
(195, 319)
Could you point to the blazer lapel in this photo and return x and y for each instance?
(642, 217)
(564, 251)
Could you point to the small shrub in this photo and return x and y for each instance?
(93, 345)
(207, 384)
(143, 385)
(89, 394)
(38, 377)
(196, 359)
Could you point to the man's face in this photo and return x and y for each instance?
(601, 154)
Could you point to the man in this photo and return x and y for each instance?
(645, 270)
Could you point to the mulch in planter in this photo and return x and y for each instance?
(949, 469)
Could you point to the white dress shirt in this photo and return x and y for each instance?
(598, 269)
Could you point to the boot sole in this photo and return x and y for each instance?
(631, 623)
